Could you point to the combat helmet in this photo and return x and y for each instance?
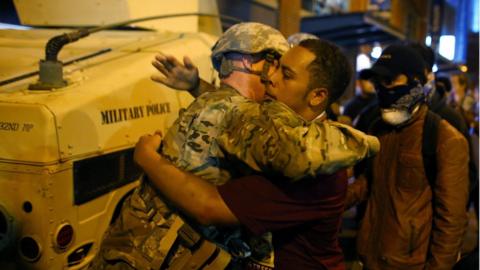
(248, 38)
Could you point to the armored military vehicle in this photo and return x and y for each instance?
(67, 138)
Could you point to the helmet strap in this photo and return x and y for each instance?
(269, 60)
(226, 68)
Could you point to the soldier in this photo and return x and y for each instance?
(144, 235)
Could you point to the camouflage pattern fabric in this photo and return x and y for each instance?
(191, 143)
(295, 148)
(132, 242)
(249, 38)
(225, 118)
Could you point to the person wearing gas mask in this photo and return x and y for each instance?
(415, 216)
(437, 102)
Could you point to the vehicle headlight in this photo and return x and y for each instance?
(63, 236)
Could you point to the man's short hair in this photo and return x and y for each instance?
(330, 69)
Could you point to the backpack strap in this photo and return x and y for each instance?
(429, 146)
(365, 166)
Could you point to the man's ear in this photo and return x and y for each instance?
(317, 97)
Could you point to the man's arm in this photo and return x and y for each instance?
(450, 195)
(195, 196)
(253, 201)
(272, 141)
(180, 76)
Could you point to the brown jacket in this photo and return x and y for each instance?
(407, 224)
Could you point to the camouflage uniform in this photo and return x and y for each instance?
(216, 122)
(275, 140)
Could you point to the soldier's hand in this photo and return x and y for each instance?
(147, 147)
(175, 74)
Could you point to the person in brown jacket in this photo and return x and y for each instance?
(410, 223)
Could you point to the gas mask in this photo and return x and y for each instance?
(396, 117)
(399, 103)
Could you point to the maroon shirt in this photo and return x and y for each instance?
(304, 217)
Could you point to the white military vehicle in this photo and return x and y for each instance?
(67, 141)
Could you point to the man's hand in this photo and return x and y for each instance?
(175, 74)
(146, 147)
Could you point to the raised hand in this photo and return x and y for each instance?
(175, 74)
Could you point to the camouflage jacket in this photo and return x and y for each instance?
(216, 126)
(268, 137)
(275, 140)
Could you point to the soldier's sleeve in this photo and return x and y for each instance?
(266, 143)
(202, 88)
(188, 143)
